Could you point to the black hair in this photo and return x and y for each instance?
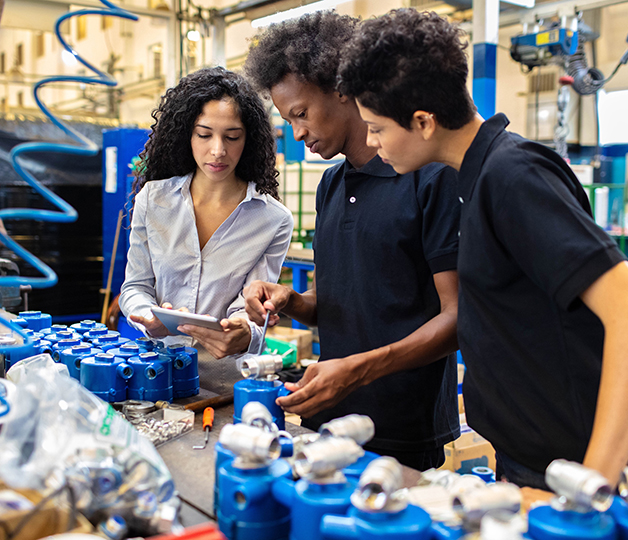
(168, 151)
(407, 61)
(308, 47)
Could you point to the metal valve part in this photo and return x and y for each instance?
(377, 486)
(326, 456)
(622, 487)
(251, 443)
(358, 427)
(256, 414)
(259, 367)
(582, 488)
(472, 505)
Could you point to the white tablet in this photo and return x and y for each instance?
(173, 318)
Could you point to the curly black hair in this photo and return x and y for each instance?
(407, 61)
(308, 47)
(168, 151)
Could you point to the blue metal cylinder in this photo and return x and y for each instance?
(546, 523)
(105, 376)
(485, 473)
(247, 511)
(411, 523)
(53, 329)
(619, 511)
(72, 358)
(64, 344)
(266, 392)
(185, 379)
(36, 320)
(111, 340)
(357, 468)
(309, 502)
(86, 326)
(91, 335)
(55, 337)
(12, 351)
(148, 345)
(152, 377)
(126, 350)
(222, 456)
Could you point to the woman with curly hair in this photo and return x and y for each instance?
(206, 219)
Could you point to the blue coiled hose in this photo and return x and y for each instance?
(85, 147)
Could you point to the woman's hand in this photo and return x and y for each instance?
(154, 327)
(234, 339)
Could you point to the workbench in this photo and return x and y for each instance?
(193, 470)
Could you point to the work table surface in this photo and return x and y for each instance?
(193, 470)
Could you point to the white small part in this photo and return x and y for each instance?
(250, 442)
(502, 525)
(358, 427)
(351, 200)
(326, 456)
(257, 367)
(581, 486)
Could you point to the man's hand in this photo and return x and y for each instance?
(154, 326)
(323, 385)
(234, 338)
(261, 297)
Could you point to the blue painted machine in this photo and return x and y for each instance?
(579, 510)
(36, 320)
(261, 384)
(322, 489)
(378, 509)
(185, 379)
(106, 376)
(247, 511)
(86, 326)
(111, 340)
(152, 377)
(71, 357)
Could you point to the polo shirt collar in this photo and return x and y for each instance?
(476, 153)
(375, 167)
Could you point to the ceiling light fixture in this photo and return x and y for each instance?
(296, 12)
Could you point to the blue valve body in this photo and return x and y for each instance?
(356, 469)
(87, 325)
(72, 356)
(55, 337)
(619, 511)
(152, 377)
(247, 510)
(266, 392)
(411, 523)
(106, 376)
(112, 340)
(309, 502)
(63, 344)
(36, 320)
(546, 523)
(185, 379)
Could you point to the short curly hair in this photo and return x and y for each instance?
(308, 47)
(168, 151)
(407, 61)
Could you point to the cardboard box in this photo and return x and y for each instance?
(49, 520)
(468, 451)
(301, 338)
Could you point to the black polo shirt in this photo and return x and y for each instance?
(379, 238)
(528, 248)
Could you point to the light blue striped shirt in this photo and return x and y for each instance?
(166, 263)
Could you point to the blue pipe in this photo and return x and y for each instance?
(85, 147)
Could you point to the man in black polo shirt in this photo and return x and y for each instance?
(385, 249)
(543, 303)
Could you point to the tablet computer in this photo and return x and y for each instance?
(171, 318)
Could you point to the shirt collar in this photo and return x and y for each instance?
(375, 167)
(476, 153)
(183, 183)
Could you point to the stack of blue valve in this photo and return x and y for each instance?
(112, 367)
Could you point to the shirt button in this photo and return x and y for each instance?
(351, 200)
(461, 199)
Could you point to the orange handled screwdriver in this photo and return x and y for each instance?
(208, 422)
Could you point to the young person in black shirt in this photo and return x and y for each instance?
(543, 305)
(385, 249)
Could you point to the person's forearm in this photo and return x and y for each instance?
(434, 340)
(608, 447)
(302, 307)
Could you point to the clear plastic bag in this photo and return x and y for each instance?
(55, 432)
